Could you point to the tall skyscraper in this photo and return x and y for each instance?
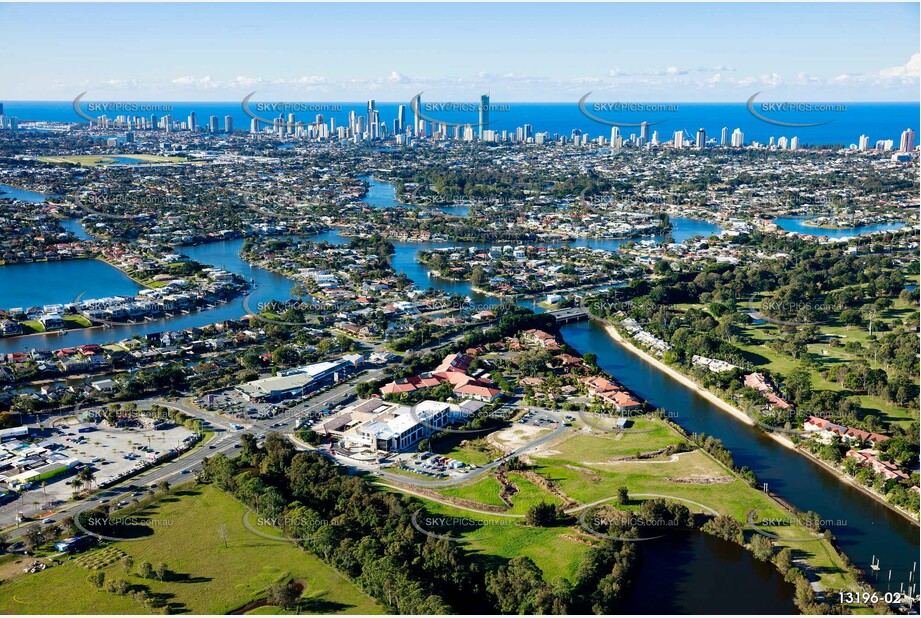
(400, 124)
(193, 122)
(418, 123)
(1, 109)
(644, 131)
(701, 138)
(724, 136)
(738, 138)
(863, 143)
(353, 121)
(374, 126)
(794, 143)
(254, 126)
(615, 133)
(228, 124)
(907, 143)
(212, 124)
(371, 121)
(528, 131)
(679, 139)
(484, 115)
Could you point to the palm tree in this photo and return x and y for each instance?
(87, 476)
(75, 483)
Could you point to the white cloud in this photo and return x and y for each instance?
(911, 69)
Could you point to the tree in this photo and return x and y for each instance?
(117, 586)
(127, 564)
(519, 588)
(762, 548)
(86, 476)
(97, 579)
(590, 359)
(33, 538)
(162, 571)
(283, 595)
(247, 444)
(163, 486)
(623, 497)
(725, 527)
(146, 570)
(542, 514)
(222, 534)
(784, 560)
(4, 542)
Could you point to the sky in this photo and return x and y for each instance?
(517, 52)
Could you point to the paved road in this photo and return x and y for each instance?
(466, 478)
(223, 440)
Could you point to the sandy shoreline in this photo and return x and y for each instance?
(730, 409)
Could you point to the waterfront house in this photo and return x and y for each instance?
(868, 458)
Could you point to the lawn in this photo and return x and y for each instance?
(763, 356)
(498, 539)
(101, 160)
(205, 576)
(484, 491)
(77, 321)
(644, 436)
(759, 353)
(695, 476)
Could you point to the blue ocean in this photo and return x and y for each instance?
(842, 126)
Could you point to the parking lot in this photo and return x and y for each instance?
(435, 466)
(232, 403)
(538, 419)
(109, 452)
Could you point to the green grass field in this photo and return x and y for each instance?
(696, 477)
(644, 436)
(484, 491)
(206, 577)
(103, 160)
(499, 539)
(582, 469)
(759, 353)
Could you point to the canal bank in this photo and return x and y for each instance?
(863, 527)
(725, 406)
(870, 529)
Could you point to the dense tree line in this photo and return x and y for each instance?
(368, 535)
